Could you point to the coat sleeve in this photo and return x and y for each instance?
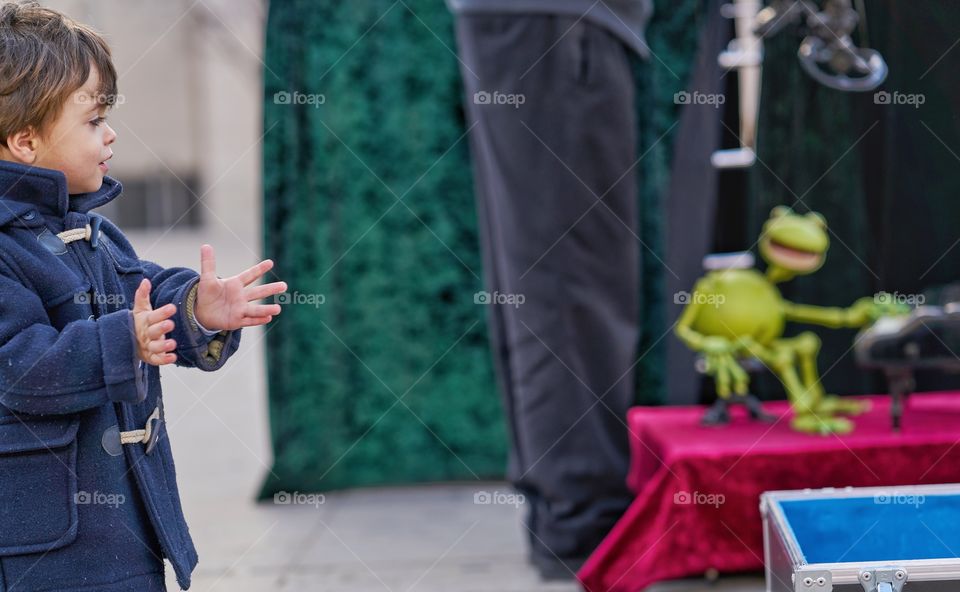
(45, 371)
(178, 285)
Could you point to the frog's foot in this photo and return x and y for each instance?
(718, 414)
(819, 424)
(834, 405)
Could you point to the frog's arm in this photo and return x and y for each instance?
(827, 316)
(684, 329)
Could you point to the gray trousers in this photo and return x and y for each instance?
(551, 102)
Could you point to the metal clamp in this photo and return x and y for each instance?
(888, 579)
(866, 72)
(827, 53)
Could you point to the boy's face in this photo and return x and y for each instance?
(78, 142)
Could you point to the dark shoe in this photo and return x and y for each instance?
(755, 407)
(554, 569)
(717, 414)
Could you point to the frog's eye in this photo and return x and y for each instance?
(819, 219)
(779, 211)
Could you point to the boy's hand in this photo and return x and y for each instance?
(228, 304)
(151, 327)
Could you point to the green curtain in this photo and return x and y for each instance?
(370, 216)
(367, 201)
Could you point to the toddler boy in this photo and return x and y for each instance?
(88, 494)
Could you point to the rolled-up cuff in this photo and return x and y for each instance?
(204, 330)
(194, 348)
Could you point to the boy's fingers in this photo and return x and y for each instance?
(161, 359)
(161, 314)
(208, 261)
(158, 330)
(254, 321)
(161, 346)
(261, 292)
(253, 274)
(155, 332)
(262, 310)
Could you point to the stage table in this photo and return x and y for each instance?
(698, 488)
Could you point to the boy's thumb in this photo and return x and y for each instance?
(142, 297)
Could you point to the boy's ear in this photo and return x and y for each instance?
(23, 146)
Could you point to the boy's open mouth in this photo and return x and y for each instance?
(104, 167)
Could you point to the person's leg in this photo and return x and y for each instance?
(487, 184)
(567, 353)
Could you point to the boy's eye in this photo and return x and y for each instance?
(96, 122)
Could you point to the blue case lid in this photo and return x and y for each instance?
(885, 527)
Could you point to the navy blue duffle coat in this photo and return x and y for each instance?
(78, 510)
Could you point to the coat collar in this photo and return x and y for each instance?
(46, 190)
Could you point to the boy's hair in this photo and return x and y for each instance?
(46, 56)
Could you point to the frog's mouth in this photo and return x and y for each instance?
(793, 258)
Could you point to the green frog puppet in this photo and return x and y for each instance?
(737, 314)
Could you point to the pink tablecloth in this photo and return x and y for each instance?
(698, 488)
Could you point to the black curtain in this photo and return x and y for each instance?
(883, 174)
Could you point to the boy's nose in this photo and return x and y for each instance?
(110, 137)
